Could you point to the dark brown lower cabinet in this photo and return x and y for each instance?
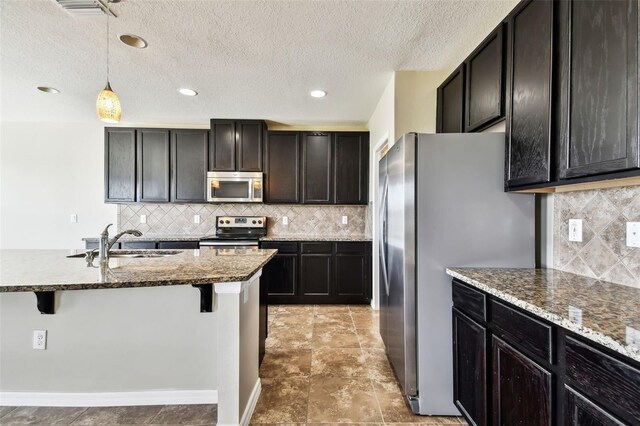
(470, 373)
(521, 388)
(318, 272)
(146, 245)
(315, 276)
(280, 277)
(535, 373)
(579, 411)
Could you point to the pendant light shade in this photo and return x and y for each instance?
(108, 105)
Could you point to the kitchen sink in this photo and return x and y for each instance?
(132, 254)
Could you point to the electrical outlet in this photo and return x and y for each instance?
(633, 336)
(633, 234)
(143, 218)
(196, 252)
(575, 315)
(196, 218)
(40, 339)
(345, 220)
(74, 218)
(575, 230)
(285, 220)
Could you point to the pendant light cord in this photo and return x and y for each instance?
(108, 11)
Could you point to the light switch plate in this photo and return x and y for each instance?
(285, 220)
(143, 218)
(575, 230)
(633, 234)
(74, 218)
(196, 218)
(345, 220)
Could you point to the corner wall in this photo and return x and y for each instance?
(47, 172)
(415, 101)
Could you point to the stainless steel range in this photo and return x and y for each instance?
(236, 232)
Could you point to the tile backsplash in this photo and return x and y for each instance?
(177, 219)
(603, 252)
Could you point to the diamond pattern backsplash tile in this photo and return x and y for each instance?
(177, 219)
(603, 252)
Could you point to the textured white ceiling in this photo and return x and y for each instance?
(247, 59)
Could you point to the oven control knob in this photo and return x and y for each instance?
(226, 221)
(221, 221)
(259, 222)
(254, 222)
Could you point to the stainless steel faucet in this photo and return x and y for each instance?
(106, 243)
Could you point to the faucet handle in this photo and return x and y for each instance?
(105, 233)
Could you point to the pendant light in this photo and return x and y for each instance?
(108, 104)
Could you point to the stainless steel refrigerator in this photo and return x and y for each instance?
(442, 204)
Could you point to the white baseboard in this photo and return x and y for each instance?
(108, 399)
(251, 404)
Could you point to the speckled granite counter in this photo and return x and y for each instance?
(151, 237)
(267, 238)
(315, 238)
(50, 270)
(608, 310)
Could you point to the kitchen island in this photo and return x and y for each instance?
(134, 332)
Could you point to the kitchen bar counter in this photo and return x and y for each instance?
(143, 329)
(51, 270)
(606, 313)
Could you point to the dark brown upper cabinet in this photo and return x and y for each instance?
(598, 89)
(282, 167)
(450, 107)
(528, 100)
(316, 168)
(236, 145)
(189, 153)
(484, 86)
(119, 165)
(153, 170)
(351, 168)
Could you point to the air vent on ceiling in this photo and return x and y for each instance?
(85, 7)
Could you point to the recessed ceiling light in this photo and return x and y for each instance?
(318, 93)
(188, 92)
(47, 89)
(133, 41)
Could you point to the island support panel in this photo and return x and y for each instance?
(238, 381)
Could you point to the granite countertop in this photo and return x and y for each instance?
(49, 270)
(151, 237)
(608, 310)
(315, 238)
(267, 238)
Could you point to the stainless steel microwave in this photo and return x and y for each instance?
(234, 187)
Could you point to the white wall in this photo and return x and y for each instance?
(381, 130)
(109, 340)
(415, 101)
(47, 172)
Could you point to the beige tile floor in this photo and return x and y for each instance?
(326, 364)
(190, 415)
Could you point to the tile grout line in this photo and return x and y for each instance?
(79, 415)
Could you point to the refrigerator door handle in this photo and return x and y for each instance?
(383, 234)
